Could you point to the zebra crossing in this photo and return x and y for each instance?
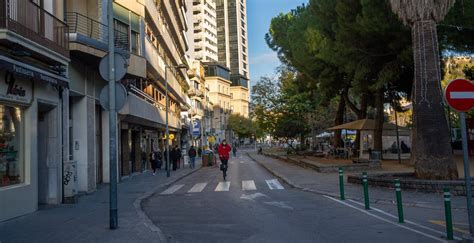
(224, 186)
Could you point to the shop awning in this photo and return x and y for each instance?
(31, 72)
(363, 124)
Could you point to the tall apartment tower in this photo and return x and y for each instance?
(203, 32)
(232, 39)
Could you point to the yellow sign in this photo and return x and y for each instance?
(171, 136)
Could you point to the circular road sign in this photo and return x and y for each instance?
(120, 67)
(120, 96)
(460, 95)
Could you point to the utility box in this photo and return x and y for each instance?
(70, 181)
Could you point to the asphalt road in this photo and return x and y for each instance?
(256, 207)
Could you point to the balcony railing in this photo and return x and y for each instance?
(34, 23)
(95, 30)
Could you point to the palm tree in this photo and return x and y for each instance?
(431, 151)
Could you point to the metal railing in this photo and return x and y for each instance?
(34, 23)
(86, 26)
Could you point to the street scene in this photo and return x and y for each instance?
(236, 121)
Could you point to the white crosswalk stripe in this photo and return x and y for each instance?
(172, 190)
(198, 188)
(274, 184)
(223, 186)
(248, 185)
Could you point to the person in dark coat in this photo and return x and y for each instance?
(192, 156)
(174, 158)
(179, 155)
(199, 151)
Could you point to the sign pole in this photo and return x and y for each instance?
(112, 122)
(167, 127)
(467, 174)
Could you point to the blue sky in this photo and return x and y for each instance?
(263, 60)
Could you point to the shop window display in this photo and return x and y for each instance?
(11, 165)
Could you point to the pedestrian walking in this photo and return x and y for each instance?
(143, 158)
(234, 151)
(199, 151)
(178, 153)
(174, 158)
(153, 162)
(192, 156)
(224, 154)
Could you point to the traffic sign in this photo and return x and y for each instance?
(120, 96)
(460, 95)
(120, 66)
(196, 128)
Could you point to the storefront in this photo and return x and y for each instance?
(31, 136)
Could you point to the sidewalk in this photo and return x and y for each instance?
(88, 220)
(328, 184)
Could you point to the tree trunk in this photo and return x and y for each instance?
(362, 115)
(379, 119)
(431, 152)
(337, 141)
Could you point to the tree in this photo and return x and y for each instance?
(432, 157)
(242, 126)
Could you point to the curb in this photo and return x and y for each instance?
(137, 204)
(336, 195)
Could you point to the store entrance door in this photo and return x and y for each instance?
(48, 155)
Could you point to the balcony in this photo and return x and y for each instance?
(30, 21)
(195, 92)
(90, 32)
(149, 112)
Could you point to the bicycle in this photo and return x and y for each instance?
(224, 167)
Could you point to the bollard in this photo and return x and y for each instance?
(398, 193)
(447, 212)
(341, 183)
(365, 184)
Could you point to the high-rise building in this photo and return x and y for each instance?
(232, 39)
(202, 33)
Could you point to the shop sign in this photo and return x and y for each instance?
(15, 89)
(196, 128)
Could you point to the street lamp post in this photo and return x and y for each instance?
(168, 171)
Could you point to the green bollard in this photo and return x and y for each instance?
(341, 183)
(398, 193)
(447, 212)
(365, 183)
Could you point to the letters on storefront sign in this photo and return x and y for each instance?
(12, 87)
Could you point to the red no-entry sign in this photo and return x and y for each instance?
(460, 95)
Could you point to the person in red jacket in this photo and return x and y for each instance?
(224, 150)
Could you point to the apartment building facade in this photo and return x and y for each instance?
(202, 33)
(233, 39)
(34, 90)
(218, 81)
(53, 131)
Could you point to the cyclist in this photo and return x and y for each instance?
(224, 153)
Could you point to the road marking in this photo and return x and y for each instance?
(279, 205)
(462, 95)
(274, 184)
(223, 186)
(248, 185)
(385, 220)
(172, 189)
(442, 223)
(197, 188)
(242, 162)
(406, 221)
(252, 196)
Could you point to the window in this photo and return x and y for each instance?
(135, 44)
(11, 159)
